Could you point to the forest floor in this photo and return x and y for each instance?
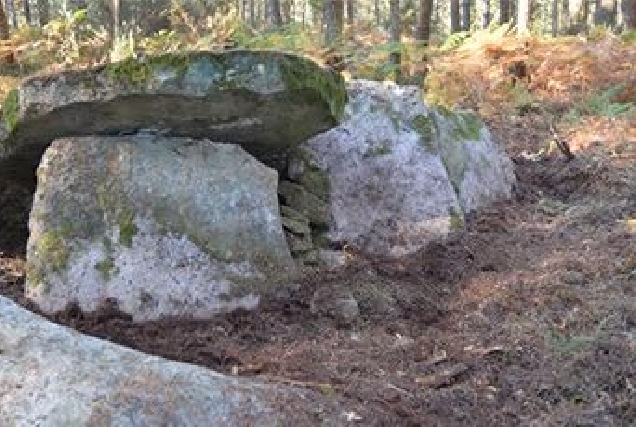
(528, 317)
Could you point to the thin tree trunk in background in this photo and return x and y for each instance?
(454, 15)
(424, 17)
(629, 14)
(465, 15)
(4, 24)
(334, 20)
(27, 12)
(605, 13)
(44, 12)
(487, 15)
(350, 12)
(504, 11)
(274, 17)
(376, 4)
(555, 18)
(10, 12)
(395, 36)
(252, 14)
(116, 20)
(523, 12)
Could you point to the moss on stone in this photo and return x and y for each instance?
(456, 219)
(106, 267)
(467, 126)
(11, 109)
(139, 73)
(127, 229)
(299, 73)
(425, 126)
(380, 150)
(53, 250)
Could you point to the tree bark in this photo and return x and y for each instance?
(351, 10)
(27, 12)
(378, 19)
(424, 16)
(116, 19)
(395, 36)
(4, 24)
(555, 18)
(275, 17)
(629, 14)
(504, 11)
(454, 15)
(523, 12)
(465, 15)
(334, 19)
(44, 12)
(485, 23)
(10, 12)
(605, 13)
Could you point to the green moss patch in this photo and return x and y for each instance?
(11, 109)
(127, 229)
(52, 250)
(106, 267)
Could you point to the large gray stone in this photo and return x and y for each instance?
(265, 100)
(166, 226)
(399, 173)
(51, 376)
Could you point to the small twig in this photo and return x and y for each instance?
(298, 383)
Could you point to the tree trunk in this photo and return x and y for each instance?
(4, 24)
(629, 14)
(116, 19)
(485, 23)
(252, 14)
(454, 15)
(504, 11)
(275, 18)
(395, 36)
(27, 12)
(351, 10)
(555, 18)
(10, 12)
(523, 12)
(44, 12)
(424, 20)
(605, 13)
(378, 19)
(334, 20)
(465, 15)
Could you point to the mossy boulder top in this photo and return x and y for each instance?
(266, 101)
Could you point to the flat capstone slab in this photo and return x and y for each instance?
(266, 101)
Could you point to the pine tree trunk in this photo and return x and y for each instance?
(465, 15)
(424, 20)
(395, 36)
(555, 18)
(504, 11)
(629, 14)
(4, 24)
(10, 12)
(485, 23)
(605, 13)
(378, 19)
(454, 15)
(350, 12)
(27, 12)
(334, 20)
(275, 18)
(44, 12)
(523, 12)
(116, 20)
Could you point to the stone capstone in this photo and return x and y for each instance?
(266, 101)
(52, 376)
(165, 226)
